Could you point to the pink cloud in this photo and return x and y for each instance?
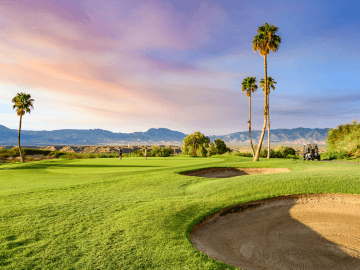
(90, 56)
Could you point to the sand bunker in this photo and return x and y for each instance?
(319, 231)
(231, 172)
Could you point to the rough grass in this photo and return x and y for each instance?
(135, 213)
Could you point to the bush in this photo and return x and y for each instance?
(57, 154)
(72, 155)
(34, 151)
(284, 151)
(244, 154)
(137, 153)
(14, 152)
(329, 155)
(344, 137)
(293, 156)
(160, 152)
(263, 152)
(343, 154)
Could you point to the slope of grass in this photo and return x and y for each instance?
(135, 213)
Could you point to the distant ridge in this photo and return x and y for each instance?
(153, 136)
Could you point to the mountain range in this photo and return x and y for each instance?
(153, 136)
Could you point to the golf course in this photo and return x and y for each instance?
(133, 213)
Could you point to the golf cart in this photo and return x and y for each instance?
(311, 152)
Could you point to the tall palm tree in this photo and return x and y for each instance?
(249, 85)
(23, 104)
(264, 42)
(271, 84)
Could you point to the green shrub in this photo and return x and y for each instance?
(160, 152)
(296, 156)
(14, 152)
(72, 155)
(137, 153)
(57, 154)
(245, 154)
(342, 154)
(34, 151)
(329, 155)
(284, 151)
(344, 137)
(263, 152)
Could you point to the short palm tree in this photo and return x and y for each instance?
(271, 84)
(23, 104)
(264, 42)
(249, 85)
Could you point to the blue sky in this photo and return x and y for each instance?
(128, 66)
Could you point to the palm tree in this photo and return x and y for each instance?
(23, 103)
(249, 85)
(264, 42)
(271, 84)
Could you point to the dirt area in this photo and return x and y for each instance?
(319, 231)
(231, 172)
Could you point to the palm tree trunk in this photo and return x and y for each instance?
(256, 158)
(252, 147)
(21, 156)
(268, 120)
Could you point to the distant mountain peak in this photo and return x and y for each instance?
(152, 136)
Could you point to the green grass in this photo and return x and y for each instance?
(135, 213)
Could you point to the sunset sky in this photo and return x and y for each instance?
(128, 66)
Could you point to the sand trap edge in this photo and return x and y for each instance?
(260, 202)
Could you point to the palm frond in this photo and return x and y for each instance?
(23, 103)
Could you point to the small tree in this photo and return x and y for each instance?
(221, 146)
(195, 144)
(284, 151)
(212, 149)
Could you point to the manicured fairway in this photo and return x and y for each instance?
(135, 213)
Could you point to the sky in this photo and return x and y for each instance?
(127, 66)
